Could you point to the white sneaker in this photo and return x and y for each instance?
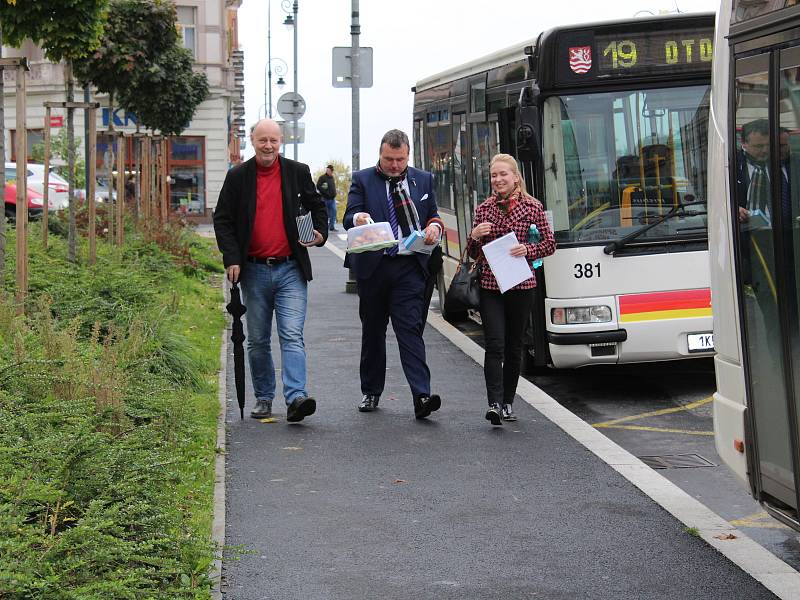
(508, 412)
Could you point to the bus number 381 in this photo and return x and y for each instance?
(586, 271)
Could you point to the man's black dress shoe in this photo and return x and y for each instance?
(262, 409)
(300, 408)
(425, 405)
(369, 403)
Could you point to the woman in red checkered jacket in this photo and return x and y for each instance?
(504, 316)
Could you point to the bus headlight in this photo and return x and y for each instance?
(575, 315)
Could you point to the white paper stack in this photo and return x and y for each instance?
(507, 270)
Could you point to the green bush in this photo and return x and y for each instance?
(108, 403)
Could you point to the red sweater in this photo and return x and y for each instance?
(269, 234)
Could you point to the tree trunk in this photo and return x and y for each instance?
(3, 170)
(72, 235)
(111, 204)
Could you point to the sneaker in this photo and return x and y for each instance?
(494, 414)
(262, 409)
(508, 412)
(300, 408)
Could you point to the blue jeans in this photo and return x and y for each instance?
(330, 204)
(281, 289)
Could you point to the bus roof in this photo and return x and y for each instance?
(495, 59)
(515, 52)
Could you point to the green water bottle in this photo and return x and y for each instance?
(534, 237)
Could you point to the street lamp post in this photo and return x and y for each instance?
(281, 68)
(291, 21)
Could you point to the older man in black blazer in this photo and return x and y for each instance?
(256, 228)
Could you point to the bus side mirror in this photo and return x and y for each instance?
(527, 134)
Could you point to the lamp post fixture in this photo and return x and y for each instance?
(280, 68)
(291, 21)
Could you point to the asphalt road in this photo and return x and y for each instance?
(347, 505)
(662, 413)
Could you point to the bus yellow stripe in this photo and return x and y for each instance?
(685, 313)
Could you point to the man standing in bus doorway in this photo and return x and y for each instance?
(752, 172)
(391, 283)
(258, 236)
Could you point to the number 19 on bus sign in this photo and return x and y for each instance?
(654, 53)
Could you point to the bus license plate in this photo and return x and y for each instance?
(701, 342)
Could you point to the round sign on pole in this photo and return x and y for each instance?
(291, 106)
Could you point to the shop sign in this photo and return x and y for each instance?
(122, 118)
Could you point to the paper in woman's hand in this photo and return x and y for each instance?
(507, 270)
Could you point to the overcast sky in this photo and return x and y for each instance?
(411, 40)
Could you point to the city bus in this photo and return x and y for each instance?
(609, 123)
(755, 247)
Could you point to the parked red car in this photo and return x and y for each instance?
(35, 202)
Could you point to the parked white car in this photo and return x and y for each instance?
(58, 197)
(100, 192)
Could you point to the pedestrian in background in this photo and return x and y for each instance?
(509, 208)
(326, 186)
(391, 283)
(257, 234)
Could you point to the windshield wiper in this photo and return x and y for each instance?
(680, 209)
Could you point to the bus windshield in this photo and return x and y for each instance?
(616, 162)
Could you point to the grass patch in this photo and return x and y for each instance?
(693, 531)
(108, 399)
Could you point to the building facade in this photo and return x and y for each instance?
(197, 159)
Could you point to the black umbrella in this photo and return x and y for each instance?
(237, 309)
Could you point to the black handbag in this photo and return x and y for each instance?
(464, 291)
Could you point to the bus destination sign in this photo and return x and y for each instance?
(646, 53)
(604, 55)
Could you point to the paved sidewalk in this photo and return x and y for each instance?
(348, 505)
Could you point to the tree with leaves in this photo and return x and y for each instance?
(66, 30)
(136, 34)
(166, 97)
(342, 175)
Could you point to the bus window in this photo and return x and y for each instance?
(625, 159)
(418, 153)
(438, 152)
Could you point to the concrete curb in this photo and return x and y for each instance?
(218, 523)
(762, 565)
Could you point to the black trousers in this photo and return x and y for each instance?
(395, 290)
(504, 317)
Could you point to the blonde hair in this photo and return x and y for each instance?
(511, 162)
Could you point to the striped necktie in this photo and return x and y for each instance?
(786, 199)
(758, 193)
(392, 251)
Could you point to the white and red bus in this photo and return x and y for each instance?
(609, 122)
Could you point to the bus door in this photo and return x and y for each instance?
(461, 192)
(484, 138)
(766, 189)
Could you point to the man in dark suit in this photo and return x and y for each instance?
(258, 236)
(392, 282)
(752, 171)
